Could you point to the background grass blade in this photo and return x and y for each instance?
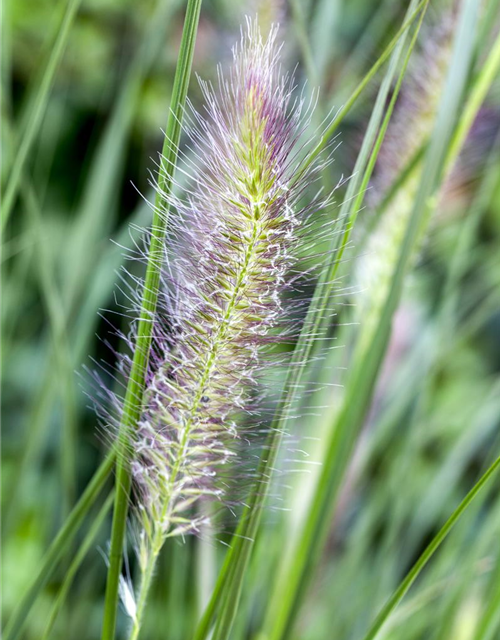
(58, 547)
(94, 219)
(429, 552)
(294, 573)
(344, 110)
(76, 563)
(99, 200)
(61, 351)
(37, 111)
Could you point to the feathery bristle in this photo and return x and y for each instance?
(236, 243)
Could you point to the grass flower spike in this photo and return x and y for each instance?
(410, 129)
(234, 245)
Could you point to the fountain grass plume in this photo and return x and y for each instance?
(412, 125)
(235, 247)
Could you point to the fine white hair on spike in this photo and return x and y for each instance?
(127, 598)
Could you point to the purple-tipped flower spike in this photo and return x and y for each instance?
(236, 241)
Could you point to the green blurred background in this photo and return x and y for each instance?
(433, 426)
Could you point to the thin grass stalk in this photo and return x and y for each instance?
(353, 416)
(481, 88)
(359, 198)
(457, 592)
(363, 167)
(228, 587)
(436, 342)
(458, 578)
(429, 183)
(356, 399)
(134, 391)
(37, 112)
(364, 82)
(429, 552)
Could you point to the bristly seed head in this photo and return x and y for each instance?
(235, 239)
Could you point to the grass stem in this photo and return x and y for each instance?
(133, 395)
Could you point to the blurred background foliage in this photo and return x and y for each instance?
(433, 423)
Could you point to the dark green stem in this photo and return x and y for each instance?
(133, 395)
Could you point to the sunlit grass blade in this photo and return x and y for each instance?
(133, 394)
(37, 112)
